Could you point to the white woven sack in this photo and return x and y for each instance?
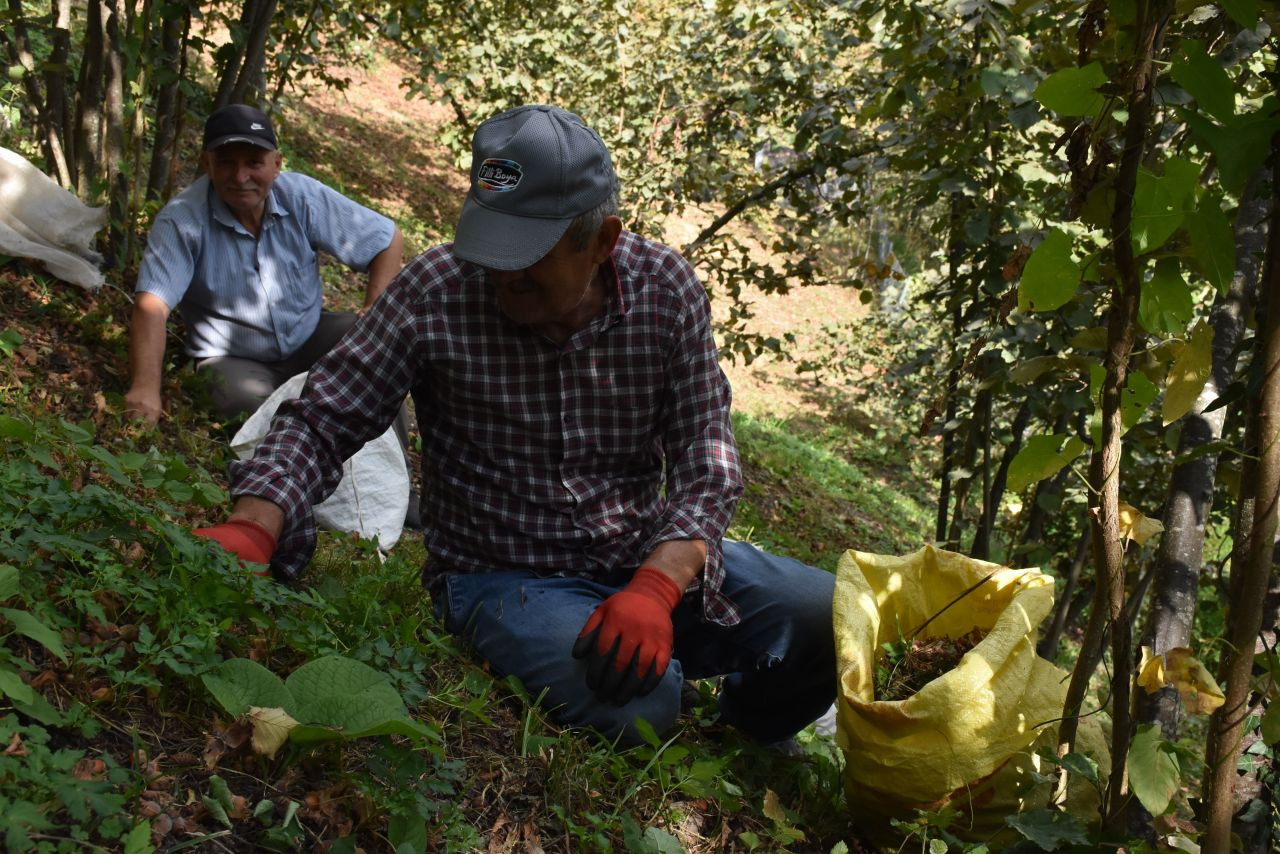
(374, 493)
(40, 220)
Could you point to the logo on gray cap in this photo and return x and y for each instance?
(498, 175)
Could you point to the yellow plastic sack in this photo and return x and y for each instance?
(968, 738)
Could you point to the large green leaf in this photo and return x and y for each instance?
(12, 686)
(1137, 395)
(1160, 202)
(28, 624)
(350, 696)
(1213, 244)
(1154, 774)
(1165, 305)
(1240, 146)
(1189, 373)
(1073, 91)
(8, 581)
(1041, 457)
(1050, 277)
(240, 683)
(1206, 81)
(1243, 12)
(1049, 829)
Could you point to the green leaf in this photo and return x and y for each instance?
(1213, 243)
(1050, 277)
(1154, 774)
(26, 623)
(1137, 395)
(1081, 766)
(1240, 146)
(1041, 457)
(1073, 91)
(8, 581)
(351, 697)
(12, 686)
(1271, 724)
(1049, 829)
(10, 341)
(407, 830)
(239, 683)
(1206, 80)
(1189, 373)
(138, 840)
(1161, 202)
(16, 428)
(1243, 12)
(1165, 305)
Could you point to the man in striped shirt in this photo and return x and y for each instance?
(236, 254)
(579, 465)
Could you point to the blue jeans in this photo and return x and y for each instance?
(778, 662)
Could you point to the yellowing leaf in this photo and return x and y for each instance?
(1151, 671)
(1135, 526)
(270, 729)
(773, 807)
(1178, 667)
(1189, 373)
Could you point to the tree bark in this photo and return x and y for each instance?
(251, 76)
(233, 53)
(88, 125)
(1180, 555)
(982, 538)
(1251, 572)
(165, 120)
(113, 138)
(1105, 463)
(60, 130)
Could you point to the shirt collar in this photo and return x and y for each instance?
(220, 212)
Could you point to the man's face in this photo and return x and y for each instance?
(242, 175)
(557, 289)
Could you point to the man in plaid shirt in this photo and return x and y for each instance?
(579, 465)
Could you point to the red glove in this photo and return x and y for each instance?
(628, 639)
(245, 539)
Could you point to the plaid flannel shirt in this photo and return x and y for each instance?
(576, 459)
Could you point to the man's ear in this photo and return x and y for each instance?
(606, 239)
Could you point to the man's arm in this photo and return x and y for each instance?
(146, 357)
(679, 560)
(383, 268)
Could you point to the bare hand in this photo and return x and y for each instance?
(143, 406)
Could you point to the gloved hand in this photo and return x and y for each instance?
(628, 639)
(245, 539)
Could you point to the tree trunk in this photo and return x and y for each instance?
(982, 539)
(955, 251)
(1048, 646)
(1251, 572)
(1180, 555)
(165, 120)
(1105, 462)
(60, 131)
(113, 138)
(251, 77)
(232, 54)
(88, 130)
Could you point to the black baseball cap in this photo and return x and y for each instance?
(239, 123)
(534, 170)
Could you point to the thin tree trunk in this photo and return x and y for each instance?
(1180, 555)
(113, 138)
(165, 120)
(296, 44)
(89, 101)
(963, 486)
(1048, 646)
(982, 539)
(1250, 574)
(234, 53)
(60, 130)
(1104, 467)
(251, 70)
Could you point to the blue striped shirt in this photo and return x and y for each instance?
(255, 298)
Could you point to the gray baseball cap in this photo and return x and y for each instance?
(534, 170)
